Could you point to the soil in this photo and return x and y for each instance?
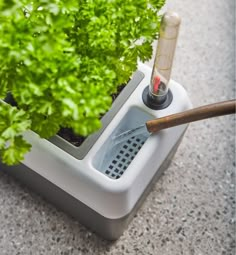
(77, 140)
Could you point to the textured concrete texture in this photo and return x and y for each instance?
(191, 209)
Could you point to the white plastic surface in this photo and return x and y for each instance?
(110, 198)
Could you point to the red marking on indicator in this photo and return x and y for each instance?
(157, 81)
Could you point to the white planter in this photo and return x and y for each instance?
(98, 184)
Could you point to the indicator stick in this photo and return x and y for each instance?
(161, 72)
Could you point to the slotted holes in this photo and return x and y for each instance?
(124, 156)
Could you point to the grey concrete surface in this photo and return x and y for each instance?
(191, 209)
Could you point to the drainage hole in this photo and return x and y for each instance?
(118, 156)
(117, 177)
(120, 165)
(114, 161)
(113, 175)
(117, 170)
(121, 172)
(111, 166)
(135, 144)
(125, 146)
(132, 157)
(127, 155)
(129, 142)
(121, 152)
(130, 150)
(137, 140)
(107, 172)
(123, 160)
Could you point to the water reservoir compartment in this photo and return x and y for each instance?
(114, 159)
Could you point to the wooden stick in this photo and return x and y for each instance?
(199, 113)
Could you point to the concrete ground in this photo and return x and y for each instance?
(191, 209)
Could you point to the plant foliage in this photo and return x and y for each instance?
(62, 59)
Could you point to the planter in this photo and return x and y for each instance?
(100, 185)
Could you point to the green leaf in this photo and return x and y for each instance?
(13, 123)
(16, 151)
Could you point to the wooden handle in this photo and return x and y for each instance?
(199, 113)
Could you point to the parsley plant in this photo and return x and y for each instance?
(62, 59)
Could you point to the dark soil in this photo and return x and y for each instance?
(71, 137)
(77, 140)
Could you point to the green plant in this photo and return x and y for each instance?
(62, 59)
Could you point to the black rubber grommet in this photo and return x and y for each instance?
(149, 102)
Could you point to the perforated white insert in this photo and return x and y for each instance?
(120, 158)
